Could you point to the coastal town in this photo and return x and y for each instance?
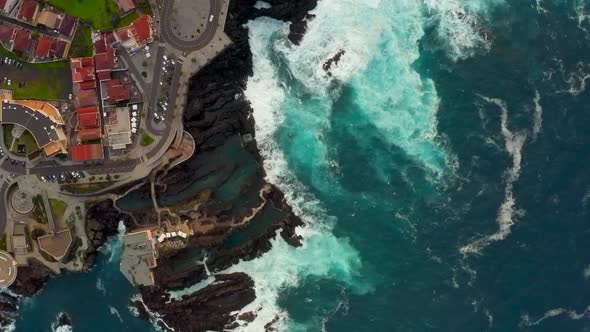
(92, 101)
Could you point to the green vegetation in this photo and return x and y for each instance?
(146, 139)
(26, 139)
(37, 80)
(127, 19)
(2, 241)
(144, 7)
(37, 233)
(82, 43)
(100, 13)
(85, 188)
(58, 207)
(39, 212)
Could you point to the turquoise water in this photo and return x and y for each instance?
(442, 175)
(96, 300)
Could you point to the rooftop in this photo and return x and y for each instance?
(138, 258)
(83, 152)
(21, 42)
(27, 10)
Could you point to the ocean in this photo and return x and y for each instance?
(440, 168)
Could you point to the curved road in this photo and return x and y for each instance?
(189, 45)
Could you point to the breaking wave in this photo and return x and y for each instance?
(526, 320)
(513, 143)
(294, 95)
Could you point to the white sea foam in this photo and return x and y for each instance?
(262, 5)
(526, 320)
(11, 327)
(576, 79)
(115, 313)
(178, 294)
(513, 144)
(100, 286)
(538, 116)
(154, 317)
(586, 272)
(459, 25)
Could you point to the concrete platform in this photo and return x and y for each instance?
(7, 269)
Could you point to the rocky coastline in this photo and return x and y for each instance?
(217, 115)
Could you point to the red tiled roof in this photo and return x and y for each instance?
(86, 98)
(88, 134)
(27, 10)
(83, 74)
(67, 25)
(88, 85)
(125, 5)
(86, 152)
(100, 46)
(88, 62)
(58, 48)
(21, 42)
(142, 29)
(105, 61)
(104, 76)
(87, 110)
(88, 120)
(124, 34)
(6, 32)
(43, 46)
(2, 4)
(118, 93)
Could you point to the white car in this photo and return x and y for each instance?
(211, 18)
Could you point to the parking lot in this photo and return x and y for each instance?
(163, 103)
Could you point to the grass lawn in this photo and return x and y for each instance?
(144, 7)
(82, 43)
(146, 139)
(127, 20)
(100, 13)
(85, 188)
(41, 80)
(7, 128)
(28, 140)
(58, 207)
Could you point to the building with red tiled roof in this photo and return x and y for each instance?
(90, 134)
(88, 120)
(2, 4)
(105, 61)
(86, 98)
(68, 25)
(88, 85)
(116, 92)
(28, 10)
(22, 40)
(59, 48)
(125, 5)
(83, 152)
(43, 46)
(7, 35)
(82, 69)
(142, 29)
(104, 76)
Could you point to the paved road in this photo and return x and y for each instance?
(155, 89)
(29, 27)
(188, 45)
(3, 212)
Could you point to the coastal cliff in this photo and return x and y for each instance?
(219, 118)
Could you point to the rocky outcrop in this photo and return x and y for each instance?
(102, 221)
(208, 309)
(31, 278)
(62, 321)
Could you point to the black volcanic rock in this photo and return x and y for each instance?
(207, 309)
(31, 278)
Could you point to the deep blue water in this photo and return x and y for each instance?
(443, 176)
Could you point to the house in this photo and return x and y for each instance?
(49, 18)
(28, 11)
(43, 46)
(82, 152)
(125, 6)
(6, 6)
(22, 41)
(7, 35)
